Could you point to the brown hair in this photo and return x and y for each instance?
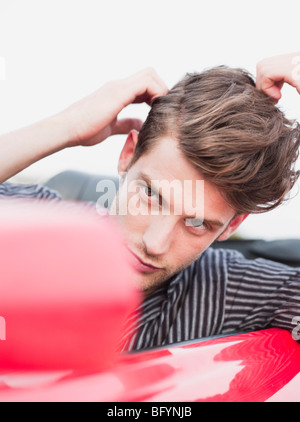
(232, 133)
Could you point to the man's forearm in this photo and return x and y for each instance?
(87, 122)
(23, 147)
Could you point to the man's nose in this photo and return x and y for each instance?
(159, 236)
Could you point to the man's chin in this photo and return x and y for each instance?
(149, 283)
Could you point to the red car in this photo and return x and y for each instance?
(62, 305)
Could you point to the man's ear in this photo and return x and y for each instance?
(232, 226)
(128, 151)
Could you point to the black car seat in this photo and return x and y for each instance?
(80, 186)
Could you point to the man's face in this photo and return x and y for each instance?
(166, 224)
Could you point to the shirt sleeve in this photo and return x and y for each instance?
(15, 191)
(261, 294)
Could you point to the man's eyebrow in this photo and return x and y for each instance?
(145, 177)
(213, 222)
(207, 221)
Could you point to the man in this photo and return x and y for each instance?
(215, 127)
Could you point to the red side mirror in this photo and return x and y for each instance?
(65, 287)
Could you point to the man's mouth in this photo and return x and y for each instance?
(140, 265)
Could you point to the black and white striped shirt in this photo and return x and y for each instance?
(220, 293)
(18, 191)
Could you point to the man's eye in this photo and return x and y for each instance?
(149, 192)
(197, 223)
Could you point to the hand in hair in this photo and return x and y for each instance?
(87, 122)
(273, 72)
(95, 117)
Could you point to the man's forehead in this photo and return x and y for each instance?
(165, 160)
(168, 144)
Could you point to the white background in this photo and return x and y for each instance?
(57, 51)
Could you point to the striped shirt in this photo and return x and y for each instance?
(220, 293)
(14, 191)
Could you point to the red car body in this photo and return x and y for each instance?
(64, 295)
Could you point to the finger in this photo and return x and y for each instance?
(158, 89)
(267, 76)
(148, 85)
(272, 91)
(269, 84)
(279, 84)
(124, 126)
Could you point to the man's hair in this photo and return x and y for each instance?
(232, 133)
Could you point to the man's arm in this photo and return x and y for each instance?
(273, 72)
(87, 122)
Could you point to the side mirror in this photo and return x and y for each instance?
(65, 287)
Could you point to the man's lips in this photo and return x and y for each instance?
(142, 266)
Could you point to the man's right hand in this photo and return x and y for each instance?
(95, 117)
